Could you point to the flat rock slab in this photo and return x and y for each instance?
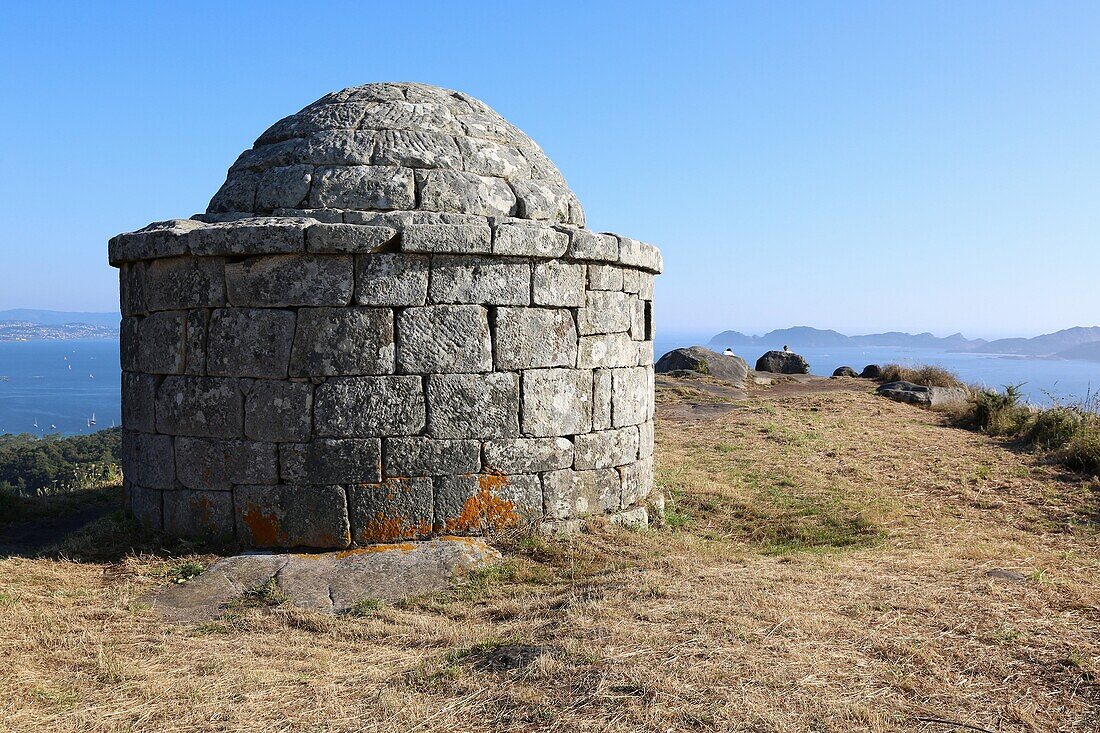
(331, 582)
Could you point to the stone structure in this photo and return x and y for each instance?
(391, 323)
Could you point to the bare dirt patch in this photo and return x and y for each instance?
(833, 562)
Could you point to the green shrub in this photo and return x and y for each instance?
(1053, 428)
(1082, 451)
(1000, 413)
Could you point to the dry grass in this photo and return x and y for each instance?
(825, 571)
(927, 375)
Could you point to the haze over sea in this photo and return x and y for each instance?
(1044, 381)
(36, 382)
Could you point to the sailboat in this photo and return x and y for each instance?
(36, 423)
(91, 420)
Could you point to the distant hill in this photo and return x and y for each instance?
(59, 318)
(805, 336)
(1046, 345)
(1088, 352)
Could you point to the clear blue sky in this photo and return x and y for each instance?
(858, 166)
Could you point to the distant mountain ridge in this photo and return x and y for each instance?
(1079, 342)
(806, 336)
(60, 318)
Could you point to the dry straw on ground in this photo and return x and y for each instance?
(834, 562)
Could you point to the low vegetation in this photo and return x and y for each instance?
(1069, 434)
(926, 375)
(53, 475)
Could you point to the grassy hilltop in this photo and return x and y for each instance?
(832, 561)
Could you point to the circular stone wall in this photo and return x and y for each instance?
(391, 323)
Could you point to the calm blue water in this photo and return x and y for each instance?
(1044, 381)
(37, 383)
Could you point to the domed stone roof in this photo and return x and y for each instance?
(397, 147)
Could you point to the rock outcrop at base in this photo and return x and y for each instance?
(782, 362)
(917, 394)
(845, 371)
(871, 371)
(732, 369)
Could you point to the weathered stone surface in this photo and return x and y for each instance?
(391, 279)
(732, 369)
(557, 402)
(568, 493)
(417, 149)
(195, 345)
(639, 254)
(635, 518)
(238, 194)
(431, 456)
(632, 279)
(782, 362)
(645, 439)
(206, 515)
(845, 371)
(161, 337)
(129, 352)
(331, 461)
(447, 238)
(369, 407)
(266, 235)
(139, 395)
(343, 342)
(145, 505)
(645, 285)
(528, 455)
(281, 281)
(363, 187)
(473, 405)
(131, 288)
(645, 353)
(292, 516)
(347, 238)
(185, 282)
(601, 399)
(484, 502)
(209, 464)
(606, 350)
(637, 481)
(464, 192)
(519, 238)
(483, 280)
(396, 509)
(546, 200)
(278, 411)
(604, 312)
(606, 448)
(490, 158)
(249, 342)
(151, 459)
(559, 284)
(326, 582)
(284, 187)
(637, 318)
(586, 245)
(159, 239)
(605, 277)
(209, 407)
(534, 337)
(632, 394)
(444, 338)
(917, 394)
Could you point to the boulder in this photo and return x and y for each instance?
(731, 369)
(871, 371)
(845, 371)
(917, 394)
(782, 362)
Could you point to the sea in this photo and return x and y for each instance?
(1042, 381)
(62, 385)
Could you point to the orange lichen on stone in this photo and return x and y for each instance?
(381, 528)
(485, 509)
(264, 527)
(403, 547)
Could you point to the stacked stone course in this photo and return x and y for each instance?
(391, 323)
